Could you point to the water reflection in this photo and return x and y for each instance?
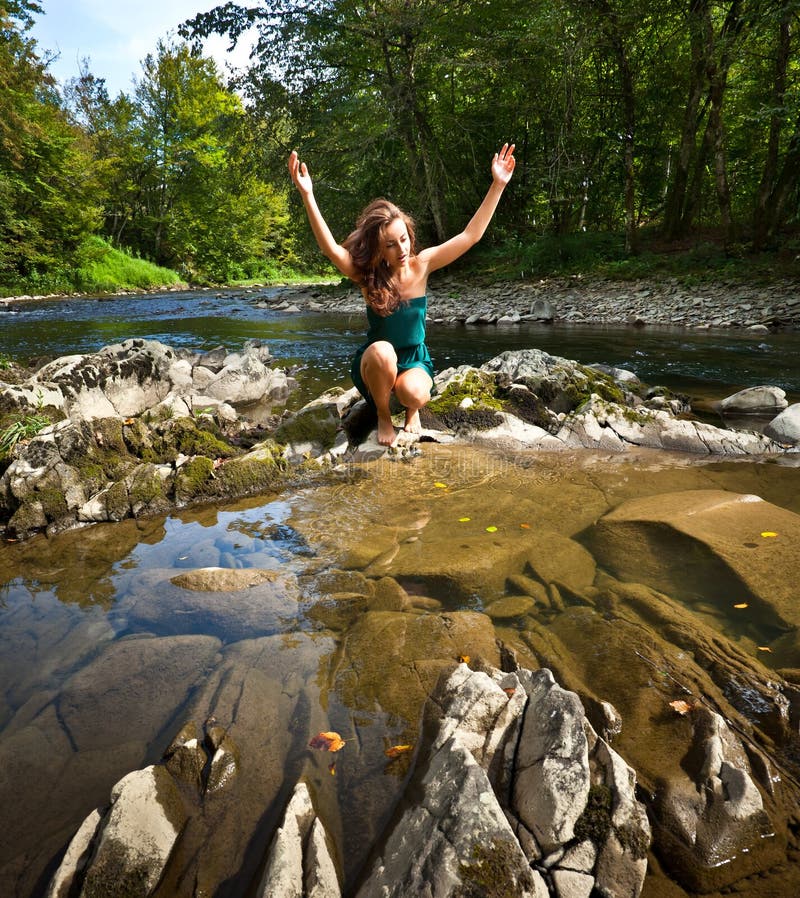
(371, 588)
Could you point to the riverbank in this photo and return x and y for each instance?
(581, 300)
(574, 299)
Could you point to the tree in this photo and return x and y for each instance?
(46, 176)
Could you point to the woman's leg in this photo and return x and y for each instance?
(379, 370)
(413, 390)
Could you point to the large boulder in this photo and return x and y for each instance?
(727, 547)
(135, 376)
(755, 401)
(785, 427)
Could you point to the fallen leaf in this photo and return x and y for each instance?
(396, 750)
(327, 742)
(768, 533)
(464, 520)
(509, 690)
(332, 768)
(491, 529)
(463, 659)
(764, 648)
(741, 605)
(128, 421)
(525, 526)
(681, 707)
(440, 486)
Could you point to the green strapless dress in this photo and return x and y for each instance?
(405, 330)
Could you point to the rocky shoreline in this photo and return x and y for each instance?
(581, 300)
(577, 299)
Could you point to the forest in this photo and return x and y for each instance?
(639, 124)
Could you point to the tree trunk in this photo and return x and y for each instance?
(763, 220)
(675, 224)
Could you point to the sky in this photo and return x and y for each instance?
(116, 35)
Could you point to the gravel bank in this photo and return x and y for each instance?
(774, 306)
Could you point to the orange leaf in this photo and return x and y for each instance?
(681, 707)
(128, 421)
(509, 691)
(327, 742)
(525, 526)
(396, 750)
(463, 659)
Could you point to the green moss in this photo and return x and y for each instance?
(53, 502)
(633, 839)
(312, 425)
(595, 821)
(147, 488)
(191, 479)
(496, 872)
(476, 385)
(184, 436)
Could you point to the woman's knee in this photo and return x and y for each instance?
(413, 390)
(381, 353)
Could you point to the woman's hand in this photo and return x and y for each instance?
(503, 165)
(299, 172)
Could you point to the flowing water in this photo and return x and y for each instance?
(105, 651)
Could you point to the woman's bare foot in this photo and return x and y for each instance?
(386, 432)
(412, 424)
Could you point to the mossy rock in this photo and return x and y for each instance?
(191, 479)
(314, 424)
(186, 436)
(495, 871)
(476, 385)
(147, 491)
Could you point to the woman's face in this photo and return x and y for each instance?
(396, 244)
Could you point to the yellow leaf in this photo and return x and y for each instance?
(491, 529)
(327, 742)
(332, 768)
(767, 533)
(463, 659)
(440, 486)
(741, 605)
(396, 750)
(464, 520)
(764, 648)
(681, 707)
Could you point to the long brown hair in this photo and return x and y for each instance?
(366, 249)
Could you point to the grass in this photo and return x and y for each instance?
(103, 268)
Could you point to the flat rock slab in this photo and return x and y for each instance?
(728, 547)
(219, 579)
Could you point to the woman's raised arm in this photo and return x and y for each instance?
(340, 257)
(503, 165)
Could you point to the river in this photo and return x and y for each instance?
(103, 656)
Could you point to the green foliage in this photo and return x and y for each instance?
(22, 429)
(47, 189)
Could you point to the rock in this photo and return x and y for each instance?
(451, 839)
(298, 862)
(74, 861)
(705, 541)
(217, 579)
(785, 427)
(140, 679)
(138, 836)
(551, 783)
(716, 831)
(754, 400)
(509, 607)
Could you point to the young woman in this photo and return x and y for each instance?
(381, 257)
